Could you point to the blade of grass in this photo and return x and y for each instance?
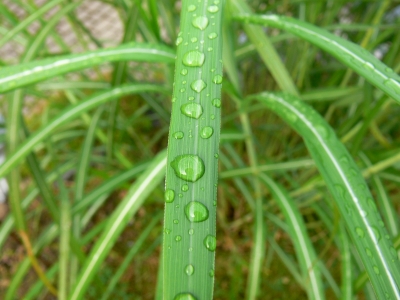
(352, 55)
(349, 189)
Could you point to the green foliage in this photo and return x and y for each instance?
(307, 192)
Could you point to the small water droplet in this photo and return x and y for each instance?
(182, 90)
(371, 204)
(200, 22)
(376, 234)
(190, 249)
(169, 196)
(178, 135)
(376, 270)
(209, 49)
(178, 40)
(185, 187)
(193, 58)
(180, 195)
(212, 117)
(191, 231)
(393, 84)
(198, 85)
(212, 9)
(322, 130)
(368, 66)
(380, 223)
(178, 238)
(184, 72)
(167, 231)
(217, 79)
(211, 273)
(188, 167)
(173, 99)
(192, 110)
(216, 155)
(176, 221)
(193, 39)
(369, 253)
(210, 242)
(363, 213)
(184, 82)
(191, 8)
(190, 133)
(185, 296)
(206, 132)
(196, 211)
(216, 102)
(191, 98)
(212, 35)
(215, 203)
(360, 232)
(189, 270)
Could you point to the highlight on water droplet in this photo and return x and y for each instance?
(185, 188)
(210, 242)
(212, 35)
(217, 79)
(191, 8)
(216, 102)
(178, 40)
(200, 22)
(178, 238)
(360, 232)
(206, 132)
(169, 196)
(192, 110)
(188, 167)
(212, 9)
(193, 58)
(196, 211)
(198, 85)
(191, 98)
(184, 72)
(178, 135)
(189, 270)
(185, 296)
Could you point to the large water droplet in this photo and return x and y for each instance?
(212, 9)
(169, 196)
(217, 79)
(185, 296)
(360, 232)
(178, 135)
(192, 110)
(198, 85)
(200, 22)
(189, 270)
(206, 132)
(193, 58)
(210, 242)
(212, 35)
(216, 102)
(185, 187)
(188, 167)
(196, 211)
(191, 7)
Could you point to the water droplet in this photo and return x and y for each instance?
(212, 9)
(176, 221)
(212, 117)
(169, 196)
(193, 59)
(196, 211)
(393, 84)
(216, 155)
(376, 270)
(191, 8)
(188, 167)
(371, 204)
(380, 223)
(198, 85)
(185, 187)
(185, 296)
(393, 252)
(189, 270)
(190, 133)
(211, 273)
(179, 40)
(215, 203)
(191, 231)
(369, 253)
(193, 39)
(173, 99)
(178, 238)
(180, 195)
(216, 102)
(360, 232)
(212, 35)
(209, 49)
(217, 79)
(178, 135)
(167, 231)
(200, 22)
(389, 70)
(210, 242)
(191, 98)
(216, 2)
(363, 213)
(182, 90)
(322, 130)
(376, 234)
(190, 249)
(206, 132)
(184, 82)
(192, 110)
(368, 66)
(184, 72)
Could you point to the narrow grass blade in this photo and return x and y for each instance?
(69, 114)
(305, 251)
(17, 76)
(191, 181)
(352, 55)
(348, 188)
(135, 197)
